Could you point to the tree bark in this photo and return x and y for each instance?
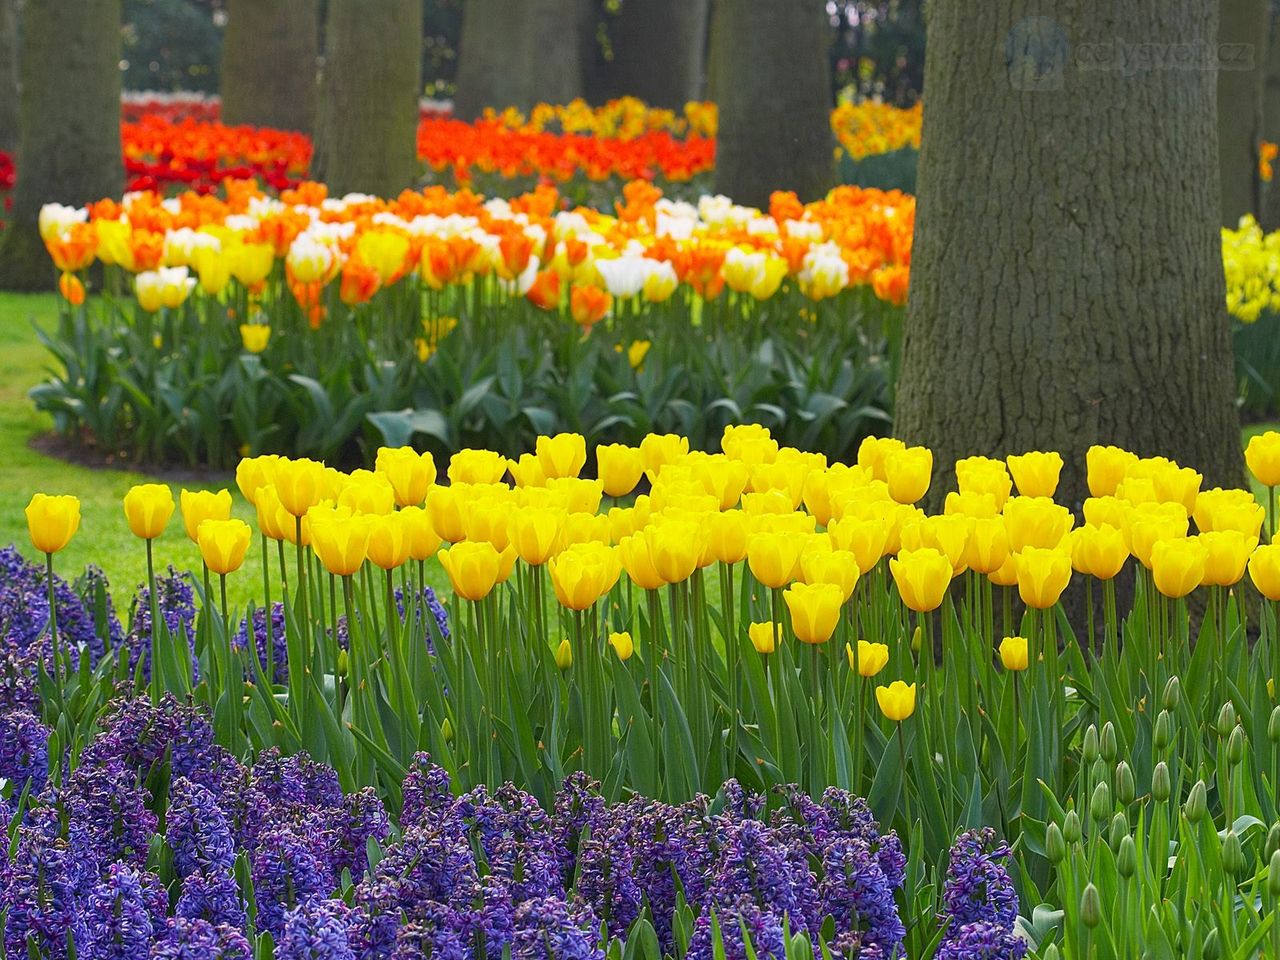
(1242, 39)
(774, 91)
(8, 75)
(269, 59)
(660, 51)
(1270, 199)
(515, 53)
(69, 149)
(368, 122)
(1067, 284)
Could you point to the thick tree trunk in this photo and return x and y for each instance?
(774, 91)
(659, 49)
(1270, 201)
(8, 75)
(1067, 283)
(368, 122)
(269, 60)
(514, 53)
(1242, 51)
(69, 150)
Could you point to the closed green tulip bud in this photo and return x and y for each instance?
(1100, 803)
(1197, 804)
(1119, 830)
(1125, 788)
(1273, 726)
(1161, 787)
(341, 668)
(1172, 694)
(1210, 949)
(1100, 770)
(1273, 839)
(1050, 953)
(915, 640)
(1090, 751)
(1071, 831)
(1226, 719)
(1273, 875)
(1055, 845)
(1107, 743)
(1091, 906)
(1235, 746)
(1233, 854)
(1127, 859)
(446, 730)
(1163, 735)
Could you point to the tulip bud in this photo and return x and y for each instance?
(1273, 875)
(1050, 953)
(1233, 854)
(1090, 752)
(1226, 719)
(1172, 694)
(1107, 742)
(446, 730)
(1055, 845)
(1161, 787)
(915, 639)
(1209, 951)
(343, 663)
(1099, 769)
(1163, 735)
(1273, 839)
(1235, 746)
(1273, 726)
(1091, 906)
(1125, 787)
(1197, 804)
(564, 655)
(1127, 859)
(1100, 805)
(1118, 831)
(1071, 831)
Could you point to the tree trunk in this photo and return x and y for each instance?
(659, 51)
(269, 58)
(1242, 54)
(774, 92)
(8, 75)
(1067, 284)
(514, 53)
(1270, 200)
(368, 123)
(69, 150)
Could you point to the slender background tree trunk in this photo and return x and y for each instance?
(1242, 38)
(269, 60)
(1066, 284)
(69, 150)
(1270, 214)
(773, 86)
(368, 124)
(660, 51)
(8, 75)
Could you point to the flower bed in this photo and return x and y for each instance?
(315, 326)
(754, 618)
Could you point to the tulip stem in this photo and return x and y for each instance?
(270, 669)
(222, 585)
(56, 652)
(156, 680)
(906, 786)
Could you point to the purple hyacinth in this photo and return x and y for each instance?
(981, 941)
(364, 819)
(273, 660)
(118, 919)
(39, 893)
(287, 869)
(107, 813)
(24, 751)
(186, 939)
(755, 863)
(318, 929)
(427, 792)
(763, 928)
(19, 689)
(518, 839)
(978, 887)
(24, 612)
(430, 602)
(550, 929)
(197, 830)
(857, 894)
(211, 896)
(175, 601)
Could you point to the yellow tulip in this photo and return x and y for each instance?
(1176, 484)
(637, 561)
(409, 472)
(987, 548)
(148, 507)
(922, 577)
(1264, 570)
(473, 568)
(563, 455)
(564, 655)
(908, 473)
(535, 532)
(1106, 467)
(253, 473)
(727, 536)
(201, 505)
(1150, 523)
(527, 471)
(865, 539)
(622, 645)
(723, 478)
(1178, 565)
(300, 484)
(984, 475)
(1042, 575)
(420, 537)
(897, 701)
(619, 468)
(476, 466)
(1007, 575)
(873, 451)
(223, 544)
(774, 558)
(341, 543)
(948, 535)
(1036, 522)
(584, 573)
(742, 441)
(971, 503)
(388, 545)
(675, 548)
(814, 609)
(786, 476)
(1262, 456)
(1013, 653)
(446, 506)
(492, 521)
(583, 528)
(52, 521)
(837, 567)
(1036, 474)
(765, 637)
(274, 520)
(581, 496)
(1226, 554)
(1107, 511)
(869, 659)
(254, 336)
(368, 493)
(1098, 551)
(659, 449)
(1229, 510)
